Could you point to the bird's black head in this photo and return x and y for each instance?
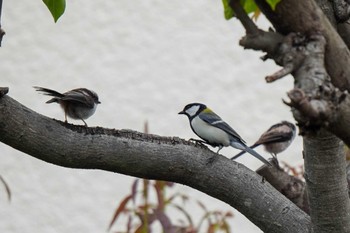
(193, 109)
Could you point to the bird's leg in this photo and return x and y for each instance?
(84, 122)
(220, 147)
(198, 141)
(275, 160)
(65, 117)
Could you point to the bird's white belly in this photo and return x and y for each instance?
(210, 133)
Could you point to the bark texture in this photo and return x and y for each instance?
(325, 175)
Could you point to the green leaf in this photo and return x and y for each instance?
(273, 3)
(248, 5)
(56, 7)
(228, 12)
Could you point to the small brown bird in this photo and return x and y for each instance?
(276, 139)
(79, 103)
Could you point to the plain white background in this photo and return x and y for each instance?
(146, 60)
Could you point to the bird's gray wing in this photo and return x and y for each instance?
(78, 97)
(276, 133)
(214, 120)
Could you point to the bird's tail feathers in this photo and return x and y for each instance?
(49, 92)
(243, 151)
(256, 155)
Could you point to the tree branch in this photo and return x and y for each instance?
(291, 187)
(151, 157)
(306, 17)
(240, 13)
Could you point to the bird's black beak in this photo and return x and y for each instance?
(98, 102)
(182, 112)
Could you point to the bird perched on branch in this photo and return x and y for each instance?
(78, 103)
(214, 131)
(276, 139)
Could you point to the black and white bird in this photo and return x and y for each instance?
(214, 131)
(276, 139)
(79, 103)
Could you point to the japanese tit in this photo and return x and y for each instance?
(214, 131)
(79, 103)
(276, 139)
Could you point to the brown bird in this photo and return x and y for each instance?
(80, 103)
(276, 139)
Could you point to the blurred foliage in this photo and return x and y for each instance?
(249, 7)
(142, 213)
(297, 171)
(56, 8)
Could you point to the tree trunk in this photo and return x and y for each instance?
(325, 175)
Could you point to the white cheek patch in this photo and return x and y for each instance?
(192, 110)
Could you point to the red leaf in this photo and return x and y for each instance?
(7, 188)
(120, 209)
(134, 190)
(188, 216)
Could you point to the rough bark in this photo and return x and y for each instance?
(152, 157)
(314, 53)
(305, 17)
(291, 187)
(325, 175)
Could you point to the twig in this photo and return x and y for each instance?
(247, 22)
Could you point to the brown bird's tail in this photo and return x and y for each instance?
(50, 92)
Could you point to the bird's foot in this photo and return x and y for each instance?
(198, 141)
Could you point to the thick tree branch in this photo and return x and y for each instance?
(292, 187)
(306, 17)
(152, 157)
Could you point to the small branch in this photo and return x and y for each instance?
(247, 22)
(268, 42)
(313, 110)
(287, 69)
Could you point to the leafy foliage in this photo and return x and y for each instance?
(248, 5)
(56, 7)
(142, 213)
